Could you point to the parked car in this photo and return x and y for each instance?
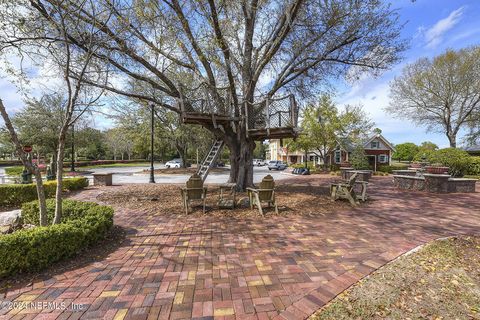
(174, 163)
(219, 164)
(259, 162)
(277, 165)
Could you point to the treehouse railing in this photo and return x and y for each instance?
(273, 113)
(216, 106)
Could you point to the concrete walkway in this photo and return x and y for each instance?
(282, 267)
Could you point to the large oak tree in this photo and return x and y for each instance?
(158, 51)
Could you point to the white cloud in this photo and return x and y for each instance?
(434, 35)
(465, 35)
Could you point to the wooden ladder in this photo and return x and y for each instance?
(210, 159)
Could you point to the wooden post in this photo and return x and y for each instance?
(267, 116)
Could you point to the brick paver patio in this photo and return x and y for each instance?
(283, 267)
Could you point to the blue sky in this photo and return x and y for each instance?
(432, 26)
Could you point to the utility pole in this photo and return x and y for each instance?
(152, 176)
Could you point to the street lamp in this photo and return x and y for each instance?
(72, 166)
(152, 176)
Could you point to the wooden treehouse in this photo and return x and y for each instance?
(266, 118)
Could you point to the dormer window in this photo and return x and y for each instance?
(374, 145)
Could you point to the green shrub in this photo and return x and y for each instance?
(73, 184)
(310, 166)
(37, 248)
(457, 160)
(16, 194)
(425, 154)
(71, 210)
(474, 168)
(358, 159)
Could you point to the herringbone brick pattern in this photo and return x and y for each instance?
(283, 267)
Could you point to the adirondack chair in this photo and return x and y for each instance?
(264, 194)
(345, 190)
(193, 191)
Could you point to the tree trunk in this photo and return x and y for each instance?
(27, 164)
(182, 152)
(452, 138)
(241, 161)
(58, 192)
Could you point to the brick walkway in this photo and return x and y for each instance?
(250, 268)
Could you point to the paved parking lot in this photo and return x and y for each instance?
(123, 175)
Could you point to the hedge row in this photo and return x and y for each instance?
(10, 162)
(16, 194)
(101, 162)
(71, 210)
(37, 248)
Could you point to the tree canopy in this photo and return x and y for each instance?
(163, 51)
(442, 93)
(324, 126)
(405, 151)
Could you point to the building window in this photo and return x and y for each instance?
(338, 156)
(374, 144)
(383, 158)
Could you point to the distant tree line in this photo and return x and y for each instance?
(38, 124)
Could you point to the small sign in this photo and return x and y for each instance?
(27, 149)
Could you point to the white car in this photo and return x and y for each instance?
(174, 163)
(277, 165)
(259, 162)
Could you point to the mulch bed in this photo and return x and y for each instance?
(166, 199)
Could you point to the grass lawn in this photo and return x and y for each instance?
(397, 163)
(113, 165)
(439, 281)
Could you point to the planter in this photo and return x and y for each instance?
(436, 170)
(416, 165)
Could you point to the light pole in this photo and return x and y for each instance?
(152, 176)
(72, 166)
